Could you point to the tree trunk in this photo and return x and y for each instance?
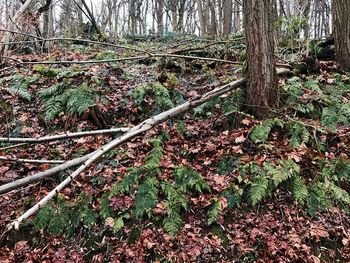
(14, 19)
(237, 18)
(132, 17)
(181, 12)
(202, 18)
(262, 88)
(227, 17)
(159, 16)
(91, 17)
(213, 24)
(341, 23)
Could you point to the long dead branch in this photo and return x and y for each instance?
(42, 175)
(133, 132)
(20, 160)
(41, 39)
(63, 136)
(12, 146)
(65, 62)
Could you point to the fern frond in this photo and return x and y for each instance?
(214, 211)
(43, 217)
(299, 189)
(146, 197)
(260, 133)
(298, 134)
(258, 190)
(317, 198)
(172, 222)
(190, 180)
(118, 224)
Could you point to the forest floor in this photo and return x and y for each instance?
(241, 202)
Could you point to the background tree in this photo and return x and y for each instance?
(341, 21)
(262, 89)
(228, 12)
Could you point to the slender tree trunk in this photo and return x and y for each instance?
(202, 18)
(237, 18)
(262, 88)
(91, 17)
(7, 35)
(341, 23)
(159, 16)
(213, 24)
(181, 12)
(227, 17)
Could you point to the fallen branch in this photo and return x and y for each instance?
(12, 146)
(67, 62)
(41, 39)
(42, 175)
(19, 160)
(133, 132)
(199, 58)
(63, 136)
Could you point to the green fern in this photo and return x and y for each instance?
(281, 173)
(43, 217)
(299, 189)
(298, 134)
(146, 197)
(46, 71)
(260, 133)
(338, 194)
(80, 99)
(214, 211)
(158, 92)
(105, 209)
(337, 114)
(174, 195)
(152, 161)
(172, 222)
(258, 189)
(118, 224)
(64, 97)
(189, 180)
(19, 85)
(317, 198)
(174, 203)
(233, 195)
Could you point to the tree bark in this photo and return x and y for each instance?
(202, 18)
(159, 16)
(262, 88)
(227, 17)
(341, 23)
